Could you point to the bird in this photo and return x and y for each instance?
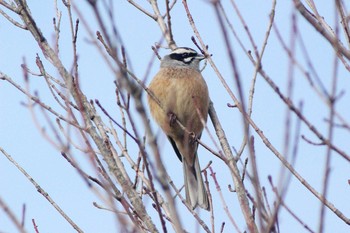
(183, 97)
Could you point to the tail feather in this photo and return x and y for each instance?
(196, 193)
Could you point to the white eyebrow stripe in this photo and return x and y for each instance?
(183, 50)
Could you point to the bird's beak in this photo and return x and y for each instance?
(200, 57)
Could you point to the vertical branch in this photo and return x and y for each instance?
(240, 189)
(90, 118)
(255, 178)
(258, 65)
(125, 82)
(224, 204)
(171, 41)
(344, 20)
(332, 102)
(160, 20)
(239, 185)
(290, 88)
(284, 183)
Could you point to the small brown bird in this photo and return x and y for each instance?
(183, 95)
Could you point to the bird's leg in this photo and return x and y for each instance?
(172, 118)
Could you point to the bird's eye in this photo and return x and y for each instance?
(185, 55)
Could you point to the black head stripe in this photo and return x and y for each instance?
(183, 54)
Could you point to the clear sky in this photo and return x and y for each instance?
(21, 138)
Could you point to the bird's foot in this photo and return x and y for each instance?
(172, 118)
(192, 137)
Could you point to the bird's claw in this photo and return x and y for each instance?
(172, 118)
(193, 137)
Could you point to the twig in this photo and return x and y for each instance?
(244, 24)
(293, 108)
(57, 26)
(41, 191)
(256, 183)
(10, 214)
(242, 108)
(225, 207)
(142, 9)
(320, 89)
(115, 122)
(344, 20)
(155, 50)
(14, 22)
(36, 100)
(327, 166)
(338, 47)
(212, 218)
(311, 142)
(88, 113)
(258, 63)
(287, 208)
(265, 139)
(284, 181)
(243, 201)
(244, 169)
(140, 173)
(122, 113)
(36, 228)
(23, 214)
(35, 118)
(162, 25)
(266, 201)
(170, 31)
(48, 81)
(9, 6)
(151, 61)
(195, 215)
(222, 227)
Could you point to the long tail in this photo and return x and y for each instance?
(196, 193)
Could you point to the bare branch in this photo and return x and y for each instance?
(41, 191)
(14, 22)
(338, 47)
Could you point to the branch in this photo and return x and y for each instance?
(89, 116)
(14, 22)
(338, 47)
(41, 191)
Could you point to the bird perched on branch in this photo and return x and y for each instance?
(181, 100)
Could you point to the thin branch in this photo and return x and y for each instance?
(37, 100)
(140, 8)
(91, 118)
(257, 66)
(10, 214)
(14, 22)
(41, 191)
(170, 31)
(327, 166)
(36, 228)
(324, 32)
(115, 122)
(340, 7)
(160, 20)
(10, 7)
(224, 204)
(287, 208)
(240, 189)
(265, 139)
